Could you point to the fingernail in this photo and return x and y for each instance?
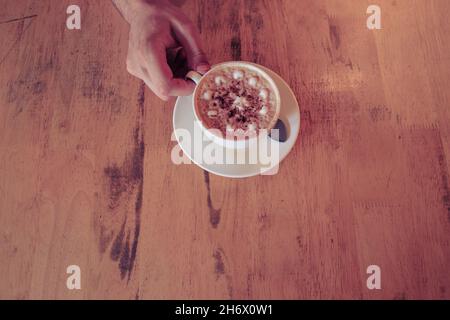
(204, 67)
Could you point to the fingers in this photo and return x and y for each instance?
(158, 76)
(181, 87)
(173, 88)
(148, 55)
(189, 38)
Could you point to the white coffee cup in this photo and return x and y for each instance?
(212, 134)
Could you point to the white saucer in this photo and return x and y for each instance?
(184, 118)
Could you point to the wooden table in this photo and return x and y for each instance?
(86, 176)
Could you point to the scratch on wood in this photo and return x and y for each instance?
(138, 209)
(236, 48)
(93, 81)
(334, 32)
(16, 41)
(128, 180)
(219, 267)
(138, 176)
(125, 259)
(214, 214)
(235, 42)
(137, 296)
(444, 178)
(256, 21)
(116, 248)
(105, 238)
(19, 19)
(117, 185)
(219, 270)
(141, 98)
(249, 285)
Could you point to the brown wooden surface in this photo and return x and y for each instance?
(86, 176)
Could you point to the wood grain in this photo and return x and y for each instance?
(87, 178)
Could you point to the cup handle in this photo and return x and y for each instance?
(194, 76)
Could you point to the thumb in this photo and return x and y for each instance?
(199, 62)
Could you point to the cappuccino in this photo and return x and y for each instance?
(237, 101)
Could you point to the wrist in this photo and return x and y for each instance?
(132, 9)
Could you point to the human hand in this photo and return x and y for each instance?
(163, 46)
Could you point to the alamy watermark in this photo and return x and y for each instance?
(74, 280)
(262, 150)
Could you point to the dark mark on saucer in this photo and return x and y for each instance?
(281, 135)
